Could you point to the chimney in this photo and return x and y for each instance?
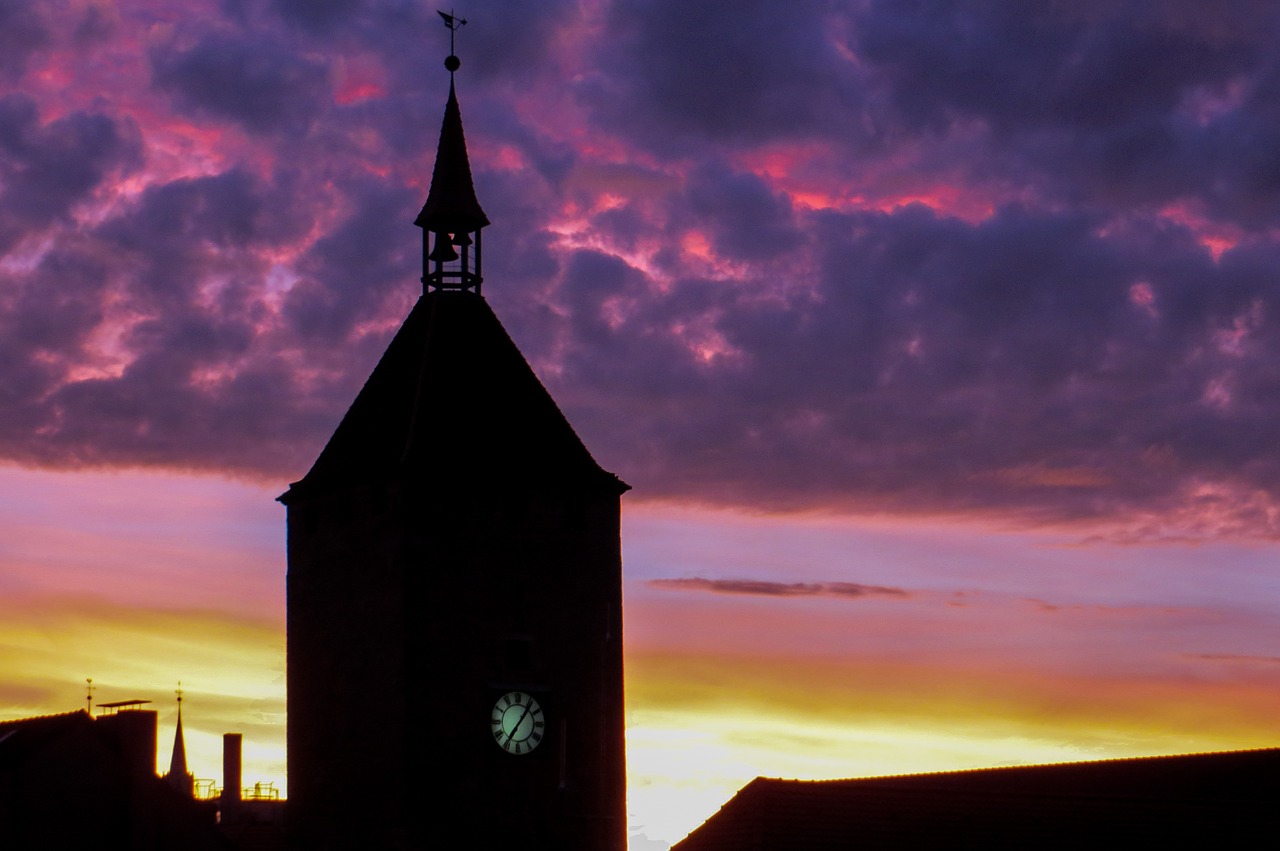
(231, 781)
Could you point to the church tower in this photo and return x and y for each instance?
(178, 777)
(455, 588)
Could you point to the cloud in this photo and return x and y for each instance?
(1035, 64)
(344, 270)
(251, 79)
(24, 695)
(670, 75)
(22, 33)
(1234, 659)
(992, 259)
(316, 15)
(936, 362)
(47, 168)
(761, 588)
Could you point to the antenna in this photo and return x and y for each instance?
(88, 697)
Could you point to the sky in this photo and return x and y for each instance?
(939, 342)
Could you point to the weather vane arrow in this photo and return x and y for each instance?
(453, 22)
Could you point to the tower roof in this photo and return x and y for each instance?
(454, 401)
(179, 777)
(178, 762)
(452, 206)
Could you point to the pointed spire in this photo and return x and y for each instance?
(178, 762)
(178, 776)
(452, 212)
(452, 206)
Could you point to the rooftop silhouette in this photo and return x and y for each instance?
(1198, 800)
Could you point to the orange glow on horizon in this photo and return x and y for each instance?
(991, 654)
(701, 727)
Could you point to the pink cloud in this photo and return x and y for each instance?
(761, 588)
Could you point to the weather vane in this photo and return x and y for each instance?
(453, 22)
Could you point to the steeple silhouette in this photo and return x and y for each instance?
(178, 776)
(453, 552)
(452, 377)
(451, 219)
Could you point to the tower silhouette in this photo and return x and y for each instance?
(179, 777)
(454, 587)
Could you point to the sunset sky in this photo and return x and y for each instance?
(940, 343)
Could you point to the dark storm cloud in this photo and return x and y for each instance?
(254, 80)
(761, 588)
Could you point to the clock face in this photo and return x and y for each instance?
(517, 722)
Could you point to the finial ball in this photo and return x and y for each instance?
(452, 63)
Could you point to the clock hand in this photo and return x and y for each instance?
(528, 706)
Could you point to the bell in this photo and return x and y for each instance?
(461, 239)
(443, 251)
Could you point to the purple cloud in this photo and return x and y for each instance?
(46, 168)
(22, 33)
(761, 588)
(1234, 658)
(248, 79)
(990, 259)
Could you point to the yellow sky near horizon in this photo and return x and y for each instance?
(750, 664)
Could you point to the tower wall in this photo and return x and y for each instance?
(412, 610)
(453, 544)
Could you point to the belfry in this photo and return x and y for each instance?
(454, 587)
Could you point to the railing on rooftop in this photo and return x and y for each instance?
(209, 790)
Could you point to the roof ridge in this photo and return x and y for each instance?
(13, 721)
(999, 768)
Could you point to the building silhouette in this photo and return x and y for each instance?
(1214, 800)
(179, 777)
(75, 781)
(454, 587)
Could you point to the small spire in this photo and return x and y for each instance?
(178, 776)
(88, 697)
(452, 218)
(452, 206)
